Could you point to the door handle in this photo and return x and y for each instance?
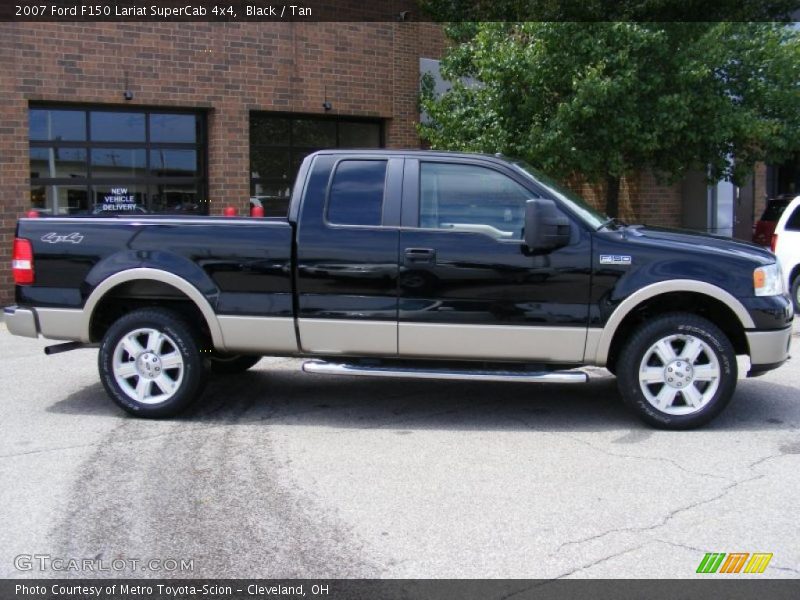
(420, 255)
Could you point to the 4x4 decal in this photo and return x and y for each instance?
(55, 238)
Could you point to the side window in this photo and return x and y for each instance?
(793, 222)
(356, 194)
(471, 198)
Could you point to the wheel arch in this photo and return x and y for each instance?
(794, 273)
(710, 301)
(183, 290)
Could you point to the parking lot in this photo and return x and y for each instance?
(277, 473)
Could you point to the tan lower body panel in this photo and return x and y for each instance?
(593, 335)
(258, 335)
(61, 323)
(340, 336)
(492, 342)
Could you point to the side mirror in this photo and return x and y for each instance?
(546, 227)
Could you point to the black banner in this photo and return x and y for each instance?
(728, 588)
(398, 10)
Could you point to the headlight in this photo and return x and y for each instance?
(768, 281)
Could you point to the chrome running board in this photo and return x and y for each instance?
(327, 368)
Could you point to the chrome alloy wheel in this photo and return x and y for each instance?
(148, 366)
(679, 374)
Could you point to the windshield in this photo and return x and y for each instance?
(592, 217)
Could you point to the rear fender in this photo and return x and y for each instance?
(164, 267)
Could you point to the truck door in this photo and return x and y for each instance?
(347, 255)
(468, 286)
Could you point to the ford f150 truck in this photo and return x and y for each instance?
(407, 264)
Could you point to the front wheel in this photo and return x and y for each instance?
(150, 363)
(677, 371)
(796, 294)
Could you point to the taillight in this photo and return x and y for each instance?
(22, 262)
(774, 242)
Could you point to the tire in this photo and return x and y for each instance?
(796, 294)
(665, 359)
(230, 364)
(150, 363)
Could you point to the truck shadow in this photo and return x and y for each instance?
(286, 396)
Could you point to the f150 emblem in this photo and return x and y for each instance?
(615, 259)
(56, 238)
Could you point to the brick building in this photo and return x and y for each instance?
(192, 117)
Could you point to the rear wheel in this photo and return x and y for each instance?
(229, 364)
(677, 372)
(150, 363)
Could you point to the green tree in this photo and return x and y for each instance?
(604, 100)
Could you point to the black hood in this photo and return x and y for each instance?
(699, 243)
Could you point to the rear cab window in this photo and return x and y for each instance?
(356, 193)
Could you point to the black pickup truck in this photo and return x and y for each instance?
(407, 264)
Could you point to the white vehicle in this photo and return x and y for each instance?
(786, 245)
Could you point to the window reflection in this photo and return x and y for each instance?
(117, 127)
(119, 162)
(58, 162)
(177, 163)
(63, 125)
(356, 196)
(173, 128)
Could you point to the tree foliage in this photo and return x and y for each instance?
(609, 10)
(602, 100)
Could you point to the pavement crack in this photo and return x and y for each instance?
(761, 461)
(670, 461)
(664, 520)
(601, 560)
(602, 450)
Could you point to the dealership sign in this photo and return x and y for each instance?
(119, 199)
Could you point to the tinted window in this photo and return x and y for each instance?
(314, 133)
(359, 135)
(793, 222)
(356, 195)
(269, 131)
(176, 163)
(117, 127)
(173, 128)
(471, 198)
(269, 163)
(132, 161)
(58, 162)
(59, 199)
(118, 162)
(60, 125)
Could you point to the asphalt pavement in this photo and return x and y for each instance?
(276, 473)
